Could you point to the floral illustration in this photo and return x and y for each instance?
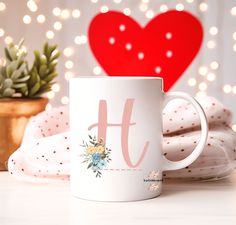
(153, 179)
(96, 155)
(153, 174)
(153, 187)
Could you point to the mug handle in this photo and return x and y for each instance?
(171, 165)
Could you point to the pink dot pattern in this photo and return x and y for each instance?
(45, 152)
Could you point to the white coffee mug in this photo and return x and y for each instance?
(116, 137)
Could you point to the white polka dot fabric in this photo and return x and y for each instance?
(44, 153)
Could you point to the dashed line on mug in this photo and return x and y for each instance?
(117, 169)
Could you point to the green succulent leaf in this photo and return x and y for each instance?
(7, 54)
(9, 71)
(15, 75)
(43, 71)
(12, 51)
(1, 79)
(7, 83)
(56, 56)
(42, 83)
(24, 91)
(21, 42)
(43, 59)
(17, 80)
(23, 79)
(45, 47)
(34, 78)
(13, 65)
(37, 59)
(50, 77)
(8, 92)
(20, 85)
(34, 89)
(50, 50)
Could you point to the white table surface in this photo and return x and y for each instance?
(181, 203)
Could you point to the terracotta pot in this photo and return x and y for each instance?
(14, 115)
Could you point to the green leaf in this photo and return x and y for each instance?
(36, 59)
(22, 68)
(43, 59)
(45, 47)
(42, 71)
(22, 79)
(42, 83)
(50, 50)
(89, 165)
(90, 137)
(52, 66)
(8, 92)
(50, 77)
(85, 161)
(21, 42)
(45, 86)
(14, 65)
(21, 58)
(20, 85)
(7, 83)
(33, 79)
(44, 90)
(7, 54)
(24, 91)
(9, 71)
(56, 56)
(13, 52)
(34, 89)
(1, 78)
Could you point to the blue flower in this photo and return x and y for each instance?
(96, 157)
(102, 163)
(98, 164)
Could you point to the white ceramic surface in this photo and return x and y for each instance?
(126, 112)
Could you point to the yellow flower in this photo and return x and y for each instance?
(100, 149)
(90, 150)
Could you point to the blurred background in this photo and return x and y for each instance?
(65, 22)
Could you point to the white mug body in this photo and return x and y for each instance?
(116, 138)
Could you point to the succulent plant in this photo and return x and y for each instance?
(17, 80)
(43, 71)
(13, 72)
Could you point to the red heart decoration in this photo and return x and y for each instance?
(164, 47)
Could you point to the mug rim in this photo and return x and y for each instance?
(118, 77)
